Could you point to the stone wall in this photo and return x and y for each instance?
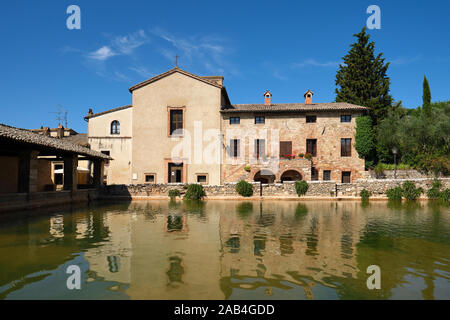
(33, 200)
(283, 190)
(328, 130)
(401, 174)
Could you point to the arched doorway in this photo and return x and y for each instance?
(291, 175)
(264, 176)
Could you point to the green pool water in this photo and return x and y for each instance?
(227, 250)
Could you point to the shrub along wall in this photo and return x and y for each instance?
(316, 188)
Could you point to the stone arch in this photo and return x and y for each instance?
(291, 175)
(264, 176)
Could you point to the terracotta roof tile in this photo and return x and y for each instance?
(292, 107)
(29, 137)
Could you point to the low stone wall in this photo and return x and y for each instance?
(33, 200)
(401, 174)
(287, 189)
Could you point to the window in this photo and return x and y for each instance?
(346, 147)
(346, 118)
(234, 148)
(150, 178)
(260, 147)
(260, 120)
(108, 153)
(326, 175)
(202, 178)
(346, 176)
(311, 119)
(176, 120)
(314, 174)
(115, 127)
(235, 120)
(285, 148)
(311, 147)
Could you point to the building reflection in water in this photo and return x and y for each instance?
(227, 249)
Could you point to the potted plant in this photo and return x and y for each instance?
(308, 156)
(301, 155)
(247, 168)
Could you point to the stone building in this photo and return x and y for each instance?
(182, 128)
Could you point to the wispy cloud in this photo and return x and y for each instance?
(142, 71)
(102, 54)
(314, 63)
(121, 45)
(205, 52)
(404, 60)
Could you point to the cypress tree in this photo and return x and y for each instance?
(362, 79)
(426, 97)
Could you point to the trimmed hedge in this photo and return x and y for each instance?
(194, 192)
(394, 193)
(244, 188)
(364, 194)
(174, 193)
(301, 187)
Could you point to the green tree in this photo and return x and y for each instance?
(426, 97)
(362, 79)
(364, 139)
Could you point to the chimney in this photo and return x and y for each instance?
(267, 95)
(90, 112)
(308, 96)
(60, 132)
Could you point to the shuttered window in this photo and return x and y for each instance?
(234, 148)
(311, 147)
(346, 147)
(260, 148)
(285, 148)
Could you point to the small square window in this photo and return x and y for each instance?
(260, 120)
(235, 120)
(202, 178)
(149, 178)
(346, 118)
(311, 119)
(326, 175)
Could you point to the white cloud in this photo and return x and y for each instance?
(121, 45)
(102, 54)
(404, 60)
(315, 63)
(204, 52)
(128, 43)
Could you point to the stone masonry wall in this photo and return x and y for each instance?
(287, 189)
(328, 130)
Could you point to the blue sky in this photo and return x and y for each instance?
(284, 46)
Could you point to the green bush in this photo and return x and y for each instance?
(364, 194)
(194, 192)
(410, 192)
(434, 192)
(247, 168)
(244, 188)
(301, 187)
(394, 193)
(445, 195)
(174, 193)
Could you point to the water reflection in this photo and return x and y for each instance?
(232, 250)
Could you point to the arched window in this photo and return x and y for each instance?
(115, 127)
